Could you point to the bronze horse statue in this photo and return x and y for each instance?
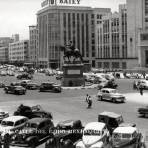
(71, 52)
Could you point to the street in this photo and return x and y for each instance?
(70, 104)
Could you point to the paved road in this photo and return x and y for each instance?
(70, 104)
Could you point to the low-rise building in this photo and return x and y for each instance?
(18, 51)
(4, 55)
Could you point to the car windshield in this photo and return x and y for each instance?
(92, 132)
(7, 123)
(126, 136)
(113, 91)
(32, 125)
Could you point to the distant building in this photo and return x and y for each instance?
(33, 44)
(4, 41)
(15, 37)
(57, 25)
(18, 51)
(4, 55)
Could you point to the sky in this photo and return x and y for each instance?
(17, 15)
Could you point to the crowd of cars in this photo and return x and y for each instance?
(31, 126)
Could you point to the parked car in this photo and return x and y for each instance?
(32, 86)
(32, 112)
(95, 135)
(18, 90)
(110, 95)
(107, 84)
(113, 120)
(12, 124)
(3, 114)
(50, 86)
(24, 76)
(143, 111)
(140, 83)
(3, 73)
(34, 132)
(66, 134)
(124, 137)
(24, 83)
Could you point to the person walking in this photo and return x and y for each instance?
(141, 90)
(89, 101)
(87, 96)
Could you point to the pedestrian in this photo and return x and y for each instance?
(89, 101)
(141, 90)
(87, 96)
(6, 140)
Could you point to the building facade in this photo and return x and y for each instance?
(15, 37)
(4, 55)
(33, 44)
(111, 37)
(4, 41)
(57, 25)
(18, 51)
(140, 37)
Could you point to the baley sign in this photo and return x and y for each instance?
(60, 2)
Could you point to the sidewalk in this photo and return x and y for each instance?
(137, 98)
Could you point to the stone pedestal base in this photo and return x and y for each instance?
(73, 75)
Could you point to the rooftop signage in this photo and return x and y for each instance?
(59, 2)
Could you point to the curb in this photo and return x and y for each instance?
(79, 88)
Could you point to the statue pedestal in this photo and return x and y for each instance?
(73, 75)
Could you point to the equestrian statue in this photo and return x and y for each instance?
(70, 51)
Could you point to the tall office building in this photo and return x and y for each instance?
(33, 44)
(57, 25)
(137, 29)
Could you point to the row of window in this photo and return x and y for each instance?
(114, 65)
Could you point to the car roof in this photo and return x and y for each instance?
(125, 130)
(14, 118)
(48, 83)
(37, 120)
(109, 89)
(110, 114)
(95, 125)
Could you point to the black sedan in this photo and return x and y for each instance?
(32, 112)
(18, 90)
(50, 86)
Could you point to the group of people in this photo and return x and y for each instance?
(6, 141)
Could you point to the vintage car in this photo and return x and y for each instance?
(126, 137)
(110, 95)
(3, 114)
(32, 86)
(113, 120)
(140, 83)
(95, 135)
(24, 82)
(18, 90)
(32, 112)
(143, 111)
(107, 84)
(12, 124)
(24, 76)
(50, 86)
(65, 134)
(35, 131)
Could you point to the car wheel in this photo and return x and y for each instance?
(6, 92)
(33, 143)
(113, 100)
(100, 98)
